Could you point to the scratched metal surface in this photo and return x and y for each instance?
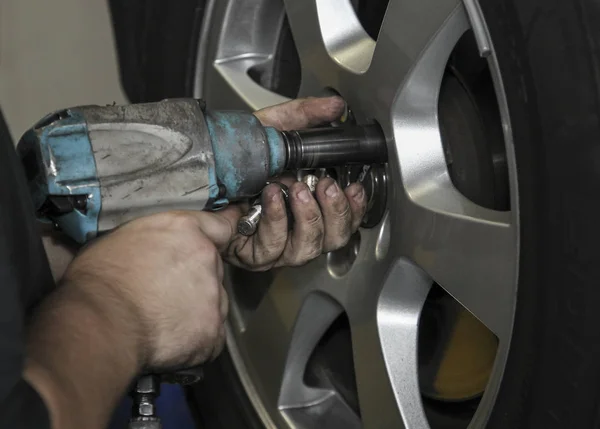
(163, 160)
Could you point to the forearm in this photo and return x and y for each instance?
(81, 355)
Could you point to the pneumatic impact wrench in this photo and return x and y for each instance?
(93, 168)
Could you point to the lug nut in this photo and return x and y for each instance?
(311, 181)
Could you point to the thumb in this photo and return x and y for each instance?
(217, 228)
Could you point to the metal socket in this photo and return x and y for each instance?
(248, 224)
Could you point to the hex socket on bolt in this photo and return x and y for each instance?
(311, 181)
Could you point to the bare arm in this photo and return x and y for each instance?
(81, 356)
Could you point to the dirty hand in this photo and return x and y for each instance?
(322, 223)
(162, 277)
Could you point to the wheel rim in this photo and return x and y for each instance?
(430, 232)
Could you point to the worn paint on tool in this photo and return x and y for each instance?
(223, 129)
(243, 158)
(68, 163)
(277, 154)
(214, 191)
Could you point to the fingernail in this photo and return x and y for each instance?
(353, 190)
(303, 196)
(359, 196)
(332, 190)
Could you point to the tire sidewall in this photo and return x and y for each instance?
(547, 52)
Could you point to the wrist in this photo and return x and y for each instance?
(82, 354)
(112, 313)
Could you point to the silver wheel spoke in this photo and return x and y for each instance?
(299, 320)
(326, 31)
(267, 353)
(234, 73)
(378, 406)
(317, 65)
(385, 351)
(304, 22)
(409, 29)
(317, 314)
(238, 49)
(467, 250)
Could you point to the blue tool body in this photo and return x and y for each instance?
(92, 168)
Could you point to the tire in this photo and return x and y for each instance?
(219, 401)
(548, 53)
(156, 45)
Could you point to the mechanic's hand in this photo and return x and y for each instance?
(162, 276)
(321, 224)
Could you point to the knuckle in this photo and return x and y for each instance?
(313, 237)
(304, 106)
(268, 253)
(314, 221)
(314, 253)
(277, 242)
(310, 246)
(337, 242)
(276, 213)
(263, 268)
(345, 226)
(263, 256)
(337, 211)
(344, 210)
(305, 257)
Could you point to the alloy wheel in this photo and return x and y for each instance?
(341, 341)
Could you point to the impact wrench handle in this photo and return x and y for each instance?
(147, 389)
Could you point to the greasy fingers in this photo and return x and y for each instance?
(337, 214)
(272, 234)
(357, 199)
(306, 238)
(302, 113)
(321, 223)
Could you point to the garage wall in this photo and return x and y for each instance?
(54, 54)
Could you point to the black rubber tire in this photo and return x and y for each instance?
(548, 52)
(157, 42)
(219, 401)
